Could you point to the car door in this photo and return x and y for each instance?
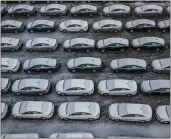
(115, 91)
(126, 68)
(35, 68)
(38, 27)
(81, 67)
(52, 11)
(76, 115)
(17, 11)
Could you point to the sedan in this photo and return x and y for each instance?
(113, 44)
(161, 65)
(10, 44)
(79, 111)
(108, 25)
(117, 10)
(73, 26)
(31, 86)
(84, 9)
(5, 85)
(149, 9)
(130, 112)
(41, 26)
(117, 87)
(10, 65)
(4, 110)
(75, 87)
(83, 44)
(40, 65)
(164, 25)
(84, 63)
(33, 110)
(12, 26)
(163, 114)
(148, 43)
(22, 9)
(54, 9)
(21, 136)
(128, 65)
(74, 135)
(155, 87)
(41, 44)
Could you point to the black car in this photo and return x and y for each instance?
(164, 25)
(140, 24)
(22, 10)
(12, 26)
(41, 26)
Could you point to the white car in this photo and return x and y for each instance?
(163, 113)
(10, 65)
(33, 110)
(75, 87)
(73, 26)
(130, 112)
(117, 87)
(70, 135)
(21, 135)
(4, 110)
(79, 111)
(5, 85)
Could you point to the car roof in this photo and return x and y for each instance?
(58, 6)
(42, 61)
(118, 6)
(85, 6)
(149, 6)
(109, 41)
(157, 84)
(81, 40)
(11, 22)
(108, 22)
(144, 40)
(44, 40)
(78, 22)
(165, 62)
(10, 40)
(143, 21)
(44, 22)
(23, 6)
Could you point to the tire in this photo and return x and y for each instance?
(122, 50)
(81, 31)
(163, 30)
(143, 121)
(50, 50)
(64, 30)
(18, 93)
(129, 95)
(108, 15)
(40, 94)
(45, 14)
(138, 49)
(157, 49)
(32, 31)
(48, 31)
(115, 30)
(149, 30)
(49, 71)
(131, 30)
(10, 71)
(85, 94)
(43, 118)
(105, 94)
(140, 15)
(69, 50)
(91, 15)
(88, 51)
(90, 119)
(62, 94)
(31, 50)
(103, 50)
(29, 72)
(15, 31)
(73, 71)
(28, 15)
(94, 70)
(12, 50)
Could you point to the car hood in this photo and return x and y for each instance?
(137, 9)
(102, 86)
(15, 86)
(73, 10)
(26, 64)
(114, 64)
(135, 43)
(70, 63)
(128, 25)
(161, 112)
(4, 83)
(66, 44)
(43, 9)
(59, 86)
(106, 10)
(28, 44)
(10, 10)
(96, 25)
(100, 44)
(145, 86)
(62, 25)
(29, 25)
(113, 109)
(15, 109)
(62, 110)
(156, 64)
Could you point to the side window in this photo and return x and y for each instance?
(4, 66)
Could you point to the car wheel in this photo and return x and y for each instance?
(115, 30)
(94, 70)
(31, 31)
(128, 95)
(60, 14)
(12, 15)
(18, 93)
(43, 118)
(15, 31)
(88, 51)
(28, 14)
(48, 31)
(149, 30)
(105, 94)
(91, 15)
(10, 71)
(18, 117)
(64, 30)
(90, 119)
(103, 50)
(45, 14)
(116, 120)
(40, 94)
(29, 72)
(69, 50)
(138, 49)
(165, 122)
(49, 71)
(66, 119)
(12, 49)
(31, 50)
(142, 121)
(124, 15)
(50, 50)
(157, 49)
(163, 30)
(85, 94)
(122, 50)
(75, 15)
(140, 15)
(98, 31)
(108, 15)
(73, 70)
(62, 94)
(81, 31)
(131, 30)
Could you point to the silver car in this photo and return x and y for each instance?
(117, 9)
(21, 135)
(33, 110)
(164, 25)
(4, 110)
(117, 87)
(31, 86)
(10, 65)
(53, 9)
(161, 65)
(5, 85)
(84, 44)
(148, 43)
(150, 9)
(74, 135)
(163, 114)
(75, 87)
(41, 44)
(107, 25)
(10, 44)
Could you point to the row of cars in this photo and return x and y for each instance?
(91, 64)
(84, 44)
(87, 111)
(75, 25)
(118, 87)
(87, 9)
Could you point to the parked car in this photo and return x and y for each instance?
(75, 87)
(41, 26)
(113, 44)
(12, 26)
(149, 9)
(40, 65)
(128, 65)
(74, 135)
(117, 87)
(10, 65)
(148, 43)
(161, 65)
(33, 110)
(84, 9)
(140, 24)
(155, 87)
(21, 136)
(4, 110)
(108, 25)
(5, 85)
(3, 10)
(73, 26)
(164, 25)
(168, 10)
(54, 9)
(130, 112)
(22, 9)
(31, 86)
(117, 10)
(84, 63)
(163, 113)
(83, 44)
(79, 111)
(10, 44)
(41, 44)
